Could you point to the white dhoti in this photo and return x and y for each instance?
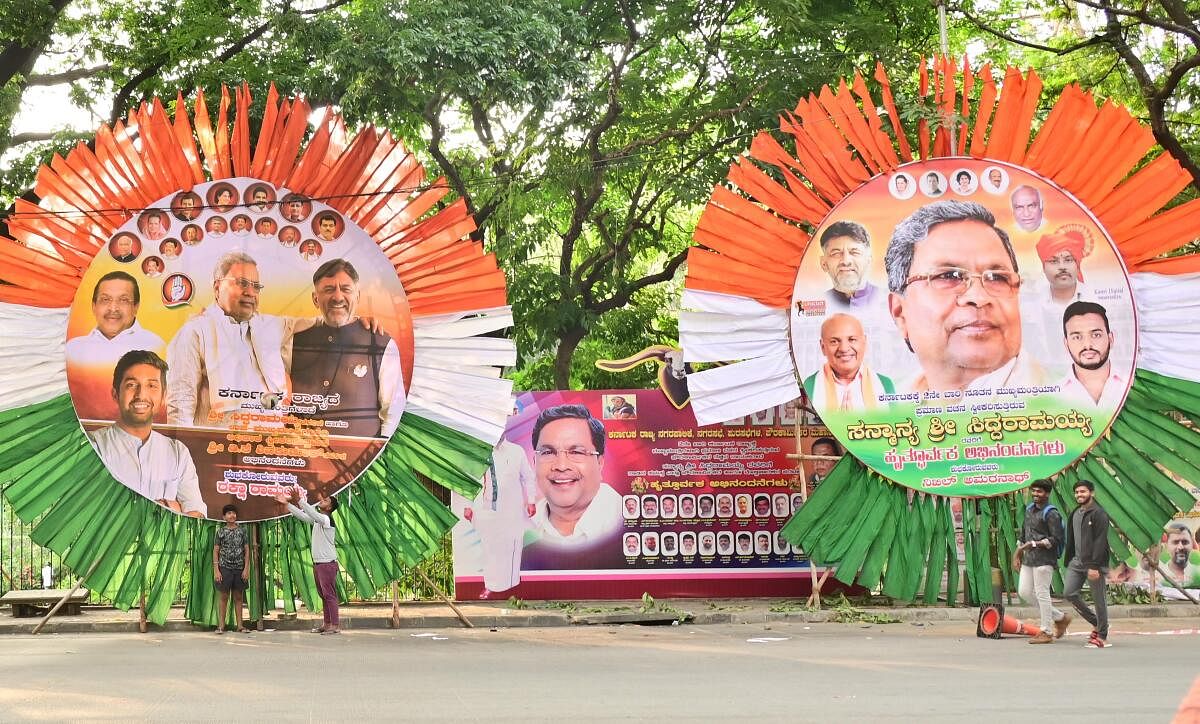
(501, 515)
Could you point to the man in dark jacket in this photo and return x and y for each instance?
(1087, 555)
(1041, 539)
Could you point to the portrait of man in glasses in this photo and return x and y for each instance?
(578, 514)
(228, 355)
(954, 284)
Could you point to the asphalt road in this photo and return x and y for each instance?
(814, 672)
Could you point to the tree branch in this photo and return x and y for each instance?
(1101, 39)
(67, 76)
(622, 297)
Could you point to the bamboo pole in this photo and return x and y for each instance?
(62, 601)
(395, 604)
(445, 599)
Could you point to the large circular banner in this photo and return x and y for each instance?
(963, 326)
(235, 340)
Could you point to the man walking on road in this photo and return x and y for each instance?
(1041, 539)
(1087, 553)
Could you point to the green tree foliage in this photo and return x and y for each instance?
(1143, 54)
(585, 136)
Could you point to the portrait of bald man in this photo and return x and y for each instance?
(845, 382)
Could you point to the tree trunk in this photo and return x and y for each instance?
(568, 342)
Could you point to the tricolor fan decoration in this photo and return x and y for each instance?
(988, 301)
(161, 200)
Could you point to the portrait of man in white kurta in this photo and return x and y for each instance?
(501, 515)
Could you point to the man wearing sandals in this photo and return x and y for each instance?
(231, 566)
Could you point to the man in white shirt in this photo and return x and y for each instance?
(143, 460)
(954, 287)
(115, 303)
(228, 355)
(1091, 381)
(577, 509)
(501, 515)
(1027, 207)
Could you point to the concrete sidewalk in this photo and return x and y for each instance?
(498, 614)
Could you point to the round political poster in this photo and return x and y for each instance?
(963, 326)
(236, 364)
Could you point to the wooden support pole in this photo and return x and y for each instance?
(395, 604)
(142, 627)
(62, 601)
(445, 599)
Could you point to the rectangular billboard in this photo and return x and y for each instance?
(622, 494)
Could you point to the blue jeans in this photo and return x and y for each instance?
(1073, 584)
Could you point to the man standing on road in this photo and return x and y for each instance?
(1087, 555)
(1040, 540)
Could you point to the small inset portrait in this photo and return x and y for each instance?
(154, 224)
(667, 507)
(311, 250)
(762, 505)
(216, 226)
(745, 543)
(186, 206)
(191, 234)
(632, 544)
(289, 236)
(787, 412)
(705, 507)
(762, 543)
(620, 407)
(763, 417)
(670, 544)
(328, 226)
(742, 504)
(933, 184)
(724, 505)
(687, 543)
(260, 198)
(995, 180)
(125, 247)
(725, 543)
(650, 544)
(631, 507)
(782, 547)
(735, 422)
(240, 225)
(649, 506)
(265, 228)
(687, 506)
(177, 289)
(295, 208)
(797, 502)
(170, 248)
(781, 505)
(708, 543)
(965, 182)
(222, 197)
(152, 267)
(902, 186)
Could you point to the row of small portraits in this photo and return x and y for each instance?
(705, 543)
(721, 505)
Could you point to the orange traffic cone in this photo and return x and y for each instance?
(993, 622)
